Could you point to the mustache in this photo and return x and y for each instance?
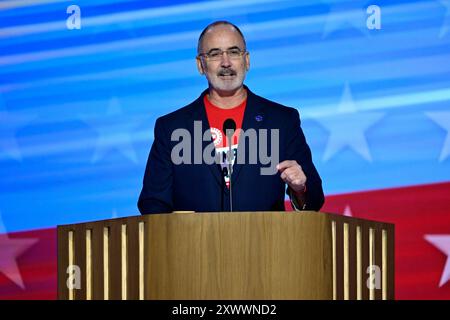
(226, 72)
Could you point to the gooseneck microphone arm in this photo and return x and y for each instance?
(229, 126)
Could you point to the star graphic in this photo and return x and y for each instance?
(442, 118)
(10, 250)
(446, 24)
(347, 127)
(10, 123)
(114, 133)
(344, 14)
(348, 211)
(442, 242)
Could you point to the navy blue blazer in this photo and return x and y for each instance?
(171, 187)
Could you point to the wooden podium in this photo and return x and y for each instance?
(239, 255)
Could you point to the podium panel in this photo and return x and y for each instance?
(238, 255)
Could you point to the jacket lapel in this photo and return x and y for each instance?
(254, 118)
(199, 114)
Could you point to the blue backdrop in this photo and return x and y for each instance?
(77, 106)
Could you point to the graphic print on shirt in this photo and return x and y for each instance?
(221, 146)
(216, 117)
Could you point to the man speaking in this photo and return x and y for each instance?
(229, 150)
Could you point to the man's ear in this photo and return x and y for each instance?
(247, 61)
(199, 65)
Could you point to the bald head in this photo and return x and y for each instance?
(219, 26)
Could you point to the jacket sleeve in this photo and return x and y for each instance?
(156, 194)
(298, 149)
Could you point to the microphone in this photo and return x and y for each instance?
(229, 126)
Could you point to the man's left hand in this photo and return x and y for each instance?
(293, 175)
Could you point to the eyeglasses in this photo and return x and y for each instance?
(217, 54)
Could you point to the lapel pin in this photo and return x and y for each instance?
(259, 118)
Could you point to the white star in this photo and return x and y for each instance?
(10, 123)
(348, 211)
(10, 250)
(344, 14)
(442, 242)
(347, 127)
(112, 133)
(443, 120)
(446, 24)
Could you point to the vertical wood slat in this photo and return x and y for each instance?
(142, 260)
(89, 265)
(124, 260)
(333, 244)
(378, 263)
(115, 261)
(346, 257)
(106, 262)
(63, 262)
(371, 263)
(359, 263)
(339, 260)
(71, 262)
(133, 259)
(352, 260)
(384, 263)
(97, 261)
(365, 261)
(80, 259)
(71, 265)
(149, 291)
(391, 263)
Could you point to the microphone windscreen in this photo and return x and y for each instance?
(229, 126)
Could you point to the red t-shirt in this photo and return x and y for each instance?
(216, 118)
